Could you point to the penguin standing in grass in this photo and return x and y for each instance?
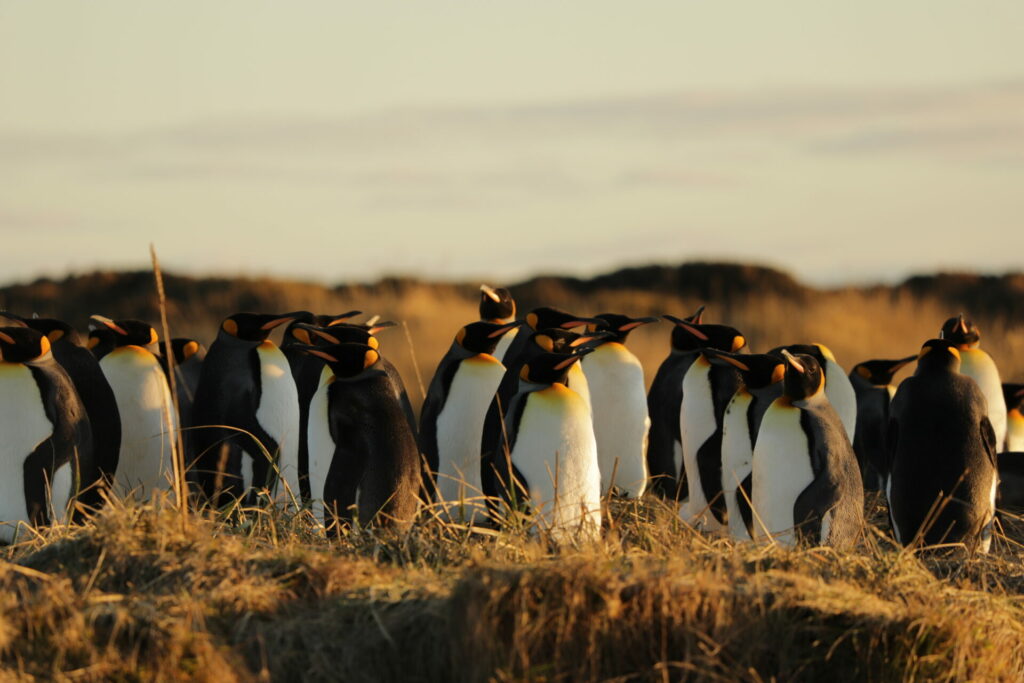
(497, 306)
(547, 457)
(707, 390)
(246, 412)
(362, 453)
(46, 449)
(618, 400)
(806, 483)
(872, 383)
(942, 454)
(1013, 394)
(980, 367)
(70, 351)
(664, 400)
(761, 376)
(452, 419)
(838, 388)
(143, 403)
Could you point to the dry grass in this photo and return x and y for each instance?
(133, 596)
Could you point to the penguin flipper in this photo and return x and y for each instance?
(988, 439)
(814, 502)
(744, 493)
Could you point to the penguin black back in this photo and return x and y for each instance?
(871, 381)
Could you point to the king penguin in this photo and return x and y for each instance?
(246, 385)
(452, 419)
(47, 445)
(942, 454)
(761, 376)
(1013, 395)
(707, 390)
(547, 457)
(872, 383)
(664, 400)
(838, 388)
(806, 483)
(362, 452)
(497, 306)
(980, 367)
(618, 399)
(69, 350)
(144, 405)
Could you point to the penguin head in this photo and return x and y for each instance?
(557, 340)
(312, 335)
(938, 354)
(482, 337)
(1013, 394)
(550, 368)
(184, 348)
(546, 316)
(23, 345)
(758, 370)
(804, 376)
(680, 339)
(963, 333)
(289, 337)
(345, 360)
(55, 330)
(881, 372)
(126, 332)
(496, 304)
(618, 326)
(256, 327)
(699, 336)
(818, 352)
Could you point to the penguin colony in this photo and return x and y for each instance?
(541, 418)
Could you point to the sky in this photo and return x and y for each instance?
(338, 141)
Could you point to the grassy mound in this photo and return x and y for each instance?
(136, 595)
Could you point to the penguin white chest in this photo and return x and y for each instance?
(781, 472)
(278, 412)
(737, 457)
(621, 423)
(321, 446)
(460, 427)
(696, 425)
(504, 343)
(24, 425)
(144, 401)
(842, 396)
(556, 452)
(577, 381)
(979, 366)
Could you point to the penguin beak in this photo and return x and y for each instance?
(504, 329)
(103, 320)
(689, 328)
(319, 332)
(637, 323)
(793, 362)
(698, 316)
(562, 365)
(579, 322)
(961, 324)
(276, 322)
(491, 294)
(378, 326)
(901, 363)
(592, 337)
(719, 355)
(6, 338)
(314, 351)
(343, 317)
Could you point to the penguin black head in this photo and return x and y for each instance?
(496, 304)
(305, 318)
(804, 376)
(1013, 394)
(618, 326)
(758, 370)
(681, 340)
(23, 345)
(345, 360)
(721, 337)
(312, 335)
(184, 348)
(963, 333)
(938, 354)
(550, 368)
(881, 372)
(557, 340)
(55, 330)
(546, 316)
(256, 327)
(482, 337)
(127, 332)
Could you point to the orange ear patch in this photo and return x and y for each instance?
(531, 320)
(190, 349)
(738, 343)
(545, 342)
(44, 347)
(231, 327)
(153, 337)
(370, 358)
(55, 335)
(779, 373)
(863, 372)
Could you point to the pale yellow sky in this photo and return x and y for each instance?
(334, 140)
